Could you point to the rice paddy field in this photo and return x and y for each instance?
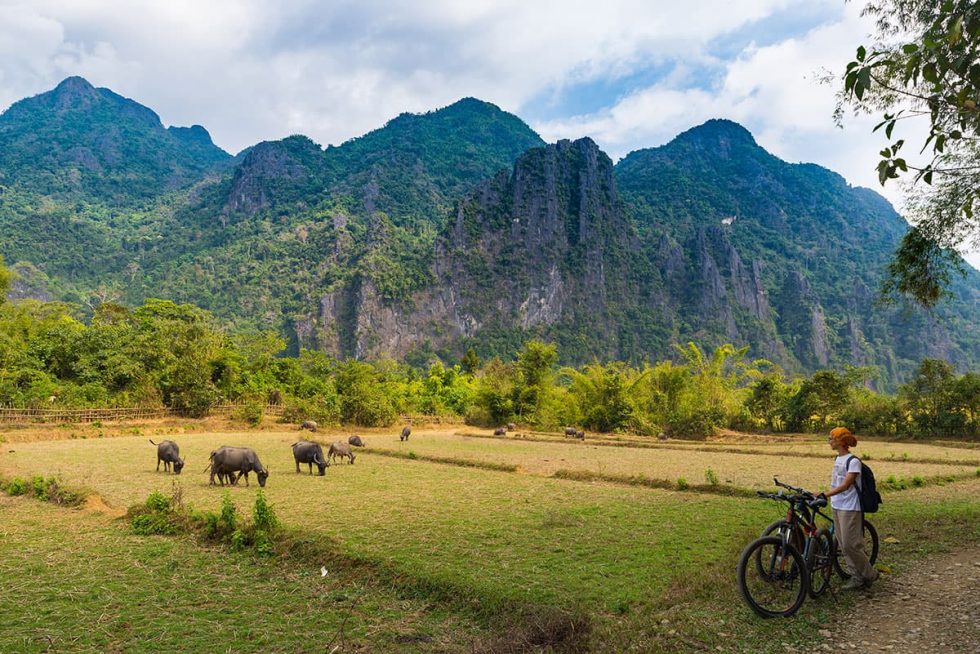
(451, 541)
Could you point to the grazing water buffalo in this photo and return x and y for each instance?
(406, 432)
(308, 424)
(168, 452)
(341, 450)
(309, 453)
(500, 431)
(356, 441)
(571, 432)
(240, 460)
(511, 426)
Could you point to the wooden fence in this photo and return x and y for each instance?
(20, 415)
(23, 415)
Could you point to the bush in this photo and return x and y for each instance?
(263, 517)
(154, 524)
(18, 486)
(39, 488)
(157, 502)
(699, 424)
(711, 477)
(682, 484)
(250, 413)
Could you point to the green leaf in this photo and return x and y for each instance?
(956, 32)
(909, 48)
(882, 172)
(861, 52)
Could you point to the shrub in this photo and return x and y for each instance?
(263, 517)
(18, 486)
(158, 502)
(918, 481)
(228, 518)
(39, 488)
(250, 413)
(682, 484)
(711, 477)
(154, 524)
(239, 541)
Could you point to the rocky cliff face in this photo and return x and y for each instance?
(541, 250)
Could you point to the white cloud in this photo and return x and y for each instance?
(250, 70)
(258, 69)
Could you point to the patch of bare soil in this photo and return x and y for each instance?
(95, 504)
(934, 607)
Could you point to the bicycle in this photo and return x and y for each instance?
(776, 572)
(871, 543)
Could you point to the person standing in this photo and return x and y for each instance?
(846, 504)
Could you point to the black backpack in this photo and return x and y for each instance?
(867, 492)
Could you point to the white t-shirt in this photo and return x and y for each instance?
(849, 500)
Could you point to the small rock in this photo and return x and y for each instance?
(825, 633)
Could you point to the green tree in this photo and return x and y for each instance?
(470, 361)
(6, 277)
(604, 394)
(535, 362)
(924, 65)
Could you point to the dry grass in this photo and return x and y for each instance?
(744, 469)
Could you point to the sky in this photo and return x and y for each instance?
(630, 74)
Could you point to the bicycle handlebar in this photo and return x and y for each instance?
(792, 488)
(813, 501)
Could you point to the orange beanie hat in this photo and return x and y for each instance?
(843, 436)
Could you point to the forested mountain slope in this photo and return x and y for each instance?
(458, 228)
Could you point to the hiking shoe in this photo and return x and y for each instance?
(853, 584)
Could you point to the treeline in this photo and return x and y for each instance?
(178, 356)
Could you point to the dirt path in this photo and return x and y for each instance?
(933, 607)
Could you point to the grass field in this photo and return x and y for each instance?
(454, 546)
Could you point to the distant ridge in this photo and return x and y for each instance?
(460, 228)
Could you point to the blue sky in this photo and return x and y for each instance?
(628, 73)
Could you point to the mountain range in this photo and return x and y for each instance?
(462, 228)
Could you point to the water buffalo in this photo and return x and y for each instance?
(500, 431)
(511, 426)
(571, 432)
(406, 432)
(309, 453)
(580, 435)
(356, 441)
(341, 450)
(308, 424)
(169, 453)
(241, 460)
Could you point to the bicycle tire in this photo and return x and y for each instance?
(870, 540)
(782, 587)
(821, 562)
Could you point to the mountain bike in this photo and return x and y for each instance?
(871, 543)
(776, 572)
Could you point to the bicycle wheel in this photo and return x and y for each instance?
(772, 577)
(820, 561)
(870, 548)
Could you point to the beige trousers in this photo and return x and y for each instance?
(849, 529)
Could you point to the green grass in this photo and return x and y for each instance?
(468, 545)
(74, 581)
